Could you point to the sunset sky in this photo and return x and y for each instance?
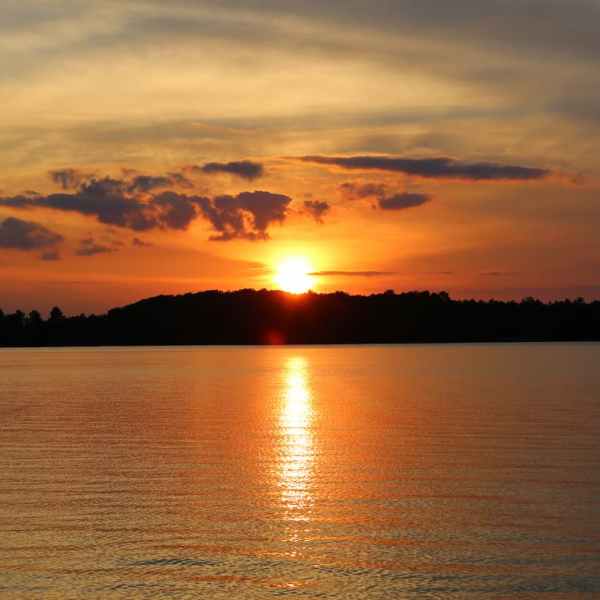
(152, 147)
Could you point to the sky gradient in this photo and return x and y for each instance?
(152, 148)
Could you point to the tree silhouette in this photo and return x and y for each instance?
(56, 314)
(267, 317)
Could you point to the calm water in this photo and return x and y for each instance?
(352, 472)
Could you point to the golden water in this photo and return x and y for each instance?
(326, 472)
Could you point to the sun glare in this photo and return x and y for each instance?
(293, 275)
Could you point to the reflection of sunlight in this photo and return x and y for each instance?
(297, 452)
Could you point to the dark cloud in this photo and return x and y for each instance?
(351, 273)
(26, 235)
(180, 180)
(68, 179)
(176, 211)
(137, 207)
(140, 243)
(89, 247)
(385, 200)
(433, 168)
(316, 209)
(245, 169)
(148, 183)
(363, 190)
(245, 216)
(113, 202)
(51, 255)
(402, 201)
(71, 179)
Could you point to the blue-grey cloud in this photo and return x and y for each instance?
(354, 190)
(90, 247)
(245, 216)
(317, 209)
(50, 255)
(113, 202)
(17, 234)
(149, 183)
(385, 200)
(556, 27)
(245, 169)
(68, 179)
(140, 243)
(71, 179)
(402, 201)
(433, 168)
(116, 202)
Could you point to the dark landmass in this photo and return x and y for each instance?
(272, 317)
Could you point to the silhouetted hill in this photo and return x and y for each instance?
(272, 317)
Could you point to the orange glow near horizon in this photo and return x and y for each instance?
(255, 158)
(293, 275)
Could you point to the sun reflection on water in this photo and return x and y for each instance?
(297, 446)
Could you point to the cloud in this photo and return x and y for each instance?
(71, 179)
(50, 255)
(351, 273)
(510, 25)
(433, 168)
(114, 202)
(176, 211)
(316, 209)
(140, 243)
(245, 216)
(402, 201)
(148, 183)
(385, 199)
(134, 204)
(89, 247)
(17, 234)
(363, 190)
(68, 179)
(245, 169)
(180, 180)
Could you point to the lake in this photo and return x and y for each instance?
(433, 472)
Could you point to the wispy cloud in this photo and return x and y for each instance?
(68, 179)
(432, 168)
(351, 273)
(402, 201)
(385, 200)
(90, 247)
(245, 169)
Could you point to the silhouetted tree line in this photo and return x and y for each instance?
(272, 317)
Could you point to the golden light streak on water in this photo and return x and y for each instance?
(297, 443)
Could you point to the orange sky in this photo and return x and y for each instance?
(151, 148)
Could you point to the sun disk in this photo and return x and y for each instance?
(293, 275)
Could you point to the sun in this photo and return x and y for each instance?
(293, 275)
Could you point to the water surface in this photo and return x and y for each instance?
(325, 472)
